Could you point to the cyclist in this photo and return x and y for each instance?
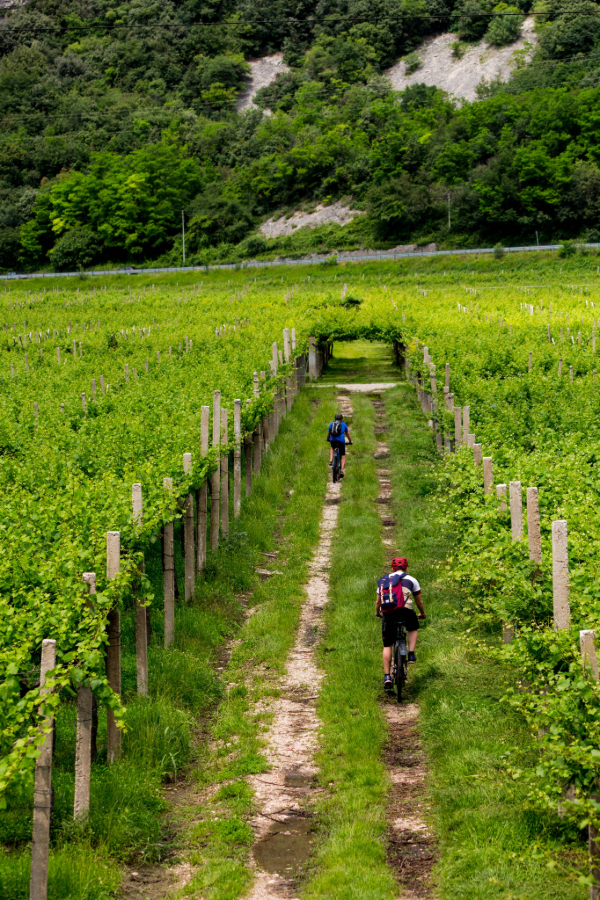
(404, 588)
(336, 435)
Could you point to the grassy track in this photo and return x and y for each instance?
(218, 837)
(491, 845)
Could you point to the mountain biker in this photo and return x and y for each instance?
(336, 435)
(404, 588)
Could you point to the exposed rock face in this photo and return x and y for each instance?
(460, 77)
(336, 214)
(263, 72)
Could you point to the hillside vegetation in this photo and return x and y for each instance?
(116, 117)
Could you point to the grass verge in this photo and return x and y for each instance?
(492, 845)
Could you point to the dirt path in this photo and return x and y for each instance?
(282, 824)
(411, 846)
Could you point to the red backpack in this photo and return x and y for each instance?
(392, 596)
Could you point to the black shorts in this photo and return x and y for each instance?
(340, 445)
(389, 621)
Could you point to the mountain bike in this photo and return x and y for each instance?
(337, 464)
(400, 660)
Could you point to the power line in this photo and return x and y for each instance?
(287, 20)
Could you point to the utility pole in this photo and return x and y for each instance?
(183, 234)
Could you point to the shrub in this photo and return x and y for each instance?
(412, 62)
(498, 251)
(506, 28)
(76, 249)
(471, 19)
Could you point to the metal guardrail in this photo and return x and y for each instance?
(304, 261)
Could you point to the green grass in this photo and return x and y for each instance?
(360, 361)
(350, 861)
(491, 844)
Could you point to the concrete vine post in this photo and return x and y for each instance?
(533, 525)
(169, 574)
(488, 475)
(141, 624)
(287, 349)
(589, 658)
(224, 474)
(202, 494)
(216, 477)
(560, 575)
(83, 739)
(457, 427)
(188, 534)
(237, 458)
(113, 650)
(466, 424)
(447, 376)
(501, 495)
(516, 510)
(477, 455)
(42, 794)
(257, 440)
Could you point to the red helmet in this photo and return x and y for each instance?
(399, 562)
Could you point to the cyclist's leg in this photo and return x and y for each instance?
(330, 452)
(388, 632)
(411, 623)
(342, 455)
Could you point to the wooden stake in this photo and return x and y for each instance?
(188, 534)
(466, 424)
(257, 440)
(42, 796)
(202, 497)
(224, 475)
(83, 740)
(533, 525)
(248, 448)
(113, 650)
(560, 575)
(477, 455)
(216, 477)
(141, 614)
(237, 456)
(168, 574)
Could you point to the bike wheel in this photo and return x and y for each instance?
(402, 676)
(399, 672)
(336, 467)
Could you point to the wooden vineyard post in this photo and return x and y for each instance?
(457, 427)
(477, 455)
(237, 458)
(216, 476)
(501, 495)
(141, 625)
(274, 358)
(488, 475)
(447, 381)
(224, 474)
(589, 658)
(83, 740)
(287, 349)
(466, 424)
(168, 574)
(202, 495)
(312, 360)
(516, 528)
(256, 438)
(42, 795)
(560, 575)
(533, 525)
(188, 534)
(248, 440)
(113, 650)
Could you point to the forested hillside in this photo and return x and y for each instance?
(115, 117)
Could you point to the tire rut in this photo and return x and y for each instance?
(411, 848)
